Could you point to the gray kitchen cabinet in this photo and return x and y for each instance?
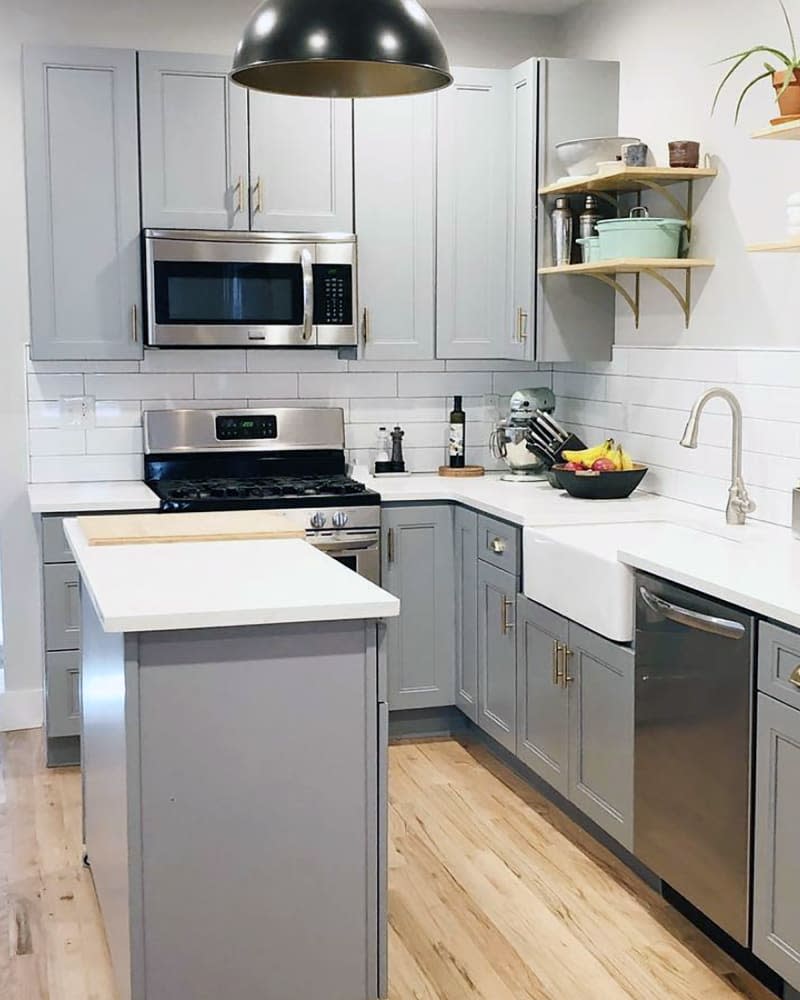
(497, 657)
(81, 163)
(62, 607)
(417, 567)
(194, 156)
(576, 715)
(301, 163)
(542, 700)
(466, 606)
(776, 873)
(472, 215)
(395, 218)
(63, 693)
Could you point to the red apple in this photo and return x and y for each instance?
(604, 465)
(575, 467)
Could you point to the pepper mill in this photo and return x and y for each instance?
(397, 463)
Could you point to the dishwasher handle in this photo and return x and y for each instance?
(692, 619)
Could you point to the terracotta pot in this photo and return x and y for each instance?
(789, 101)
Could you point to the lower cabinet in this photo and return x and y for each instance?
(776, 873)
(497, 656)
(466, 597)
(417, 567)
(63, 693)
(575, 715)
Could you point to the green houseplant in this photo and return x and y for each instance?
(785, 77)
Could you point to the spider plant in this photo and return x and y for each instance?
(789, 60)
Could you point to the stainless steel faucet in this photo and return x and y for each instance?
(739, 502)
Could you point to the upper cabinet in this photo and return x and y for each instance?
(193, 143)
(519, 328)
(395, 138)
(471, 265)
(82, 154)
(301, 164)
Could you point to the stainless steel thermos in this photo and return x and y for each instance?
(561, 220)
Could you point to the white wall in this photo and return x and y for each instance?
(191, 25)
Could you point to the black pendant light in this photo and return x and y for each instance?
(341, 48)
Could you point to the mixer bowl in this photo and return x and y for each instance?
(515, 452)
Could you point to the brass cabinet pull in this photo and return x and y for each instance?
(794, 676)
(566, 652)
(134, 324)
(522, 326)
(238, 191)
(390, 545)
(498, 546)
(257, 193)
(556, 662)
(505, 624)
(365, 323)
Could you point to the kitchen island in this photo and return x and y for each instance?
(234, 733)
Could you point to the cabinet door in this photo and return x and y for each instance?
(472, 215)
(395, 165)
(193, 123)
(497, 655)
(81, 160)
(301, 164)
(574, 316)
(466, 592)
(776, 873)
(417, 558)
(601, 694)
(63, 684)
(62, 607)
(542, 700)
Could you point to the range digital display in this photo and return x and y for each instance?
(236, 428)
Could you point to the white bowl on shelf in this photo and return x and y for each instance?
(580, 157)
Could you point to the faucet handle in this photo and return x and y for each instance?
(744, 503)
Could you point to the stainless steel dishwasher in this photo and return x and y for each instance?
(694, 710)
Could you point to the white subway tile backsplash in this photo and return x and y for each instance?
(695, 366)
(293, 361)
(44, 414)
(117, 413)
(54, 386)
(351, 384)
(139, 386)
(157, 361)
(86, 468)
(446, 384)
(57, 442)
(114, 441)
(398, 366)
(577, 386)
(416, 435)
(769, 367)
(398, 410)
(505, 383)
(223, 386)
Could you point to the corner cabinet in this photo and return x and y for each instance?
(395, 218)
(417, 567)
(82, 155)
(194, 157)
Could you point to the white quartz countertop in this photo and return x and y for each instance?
(188, 585)
(69, 498)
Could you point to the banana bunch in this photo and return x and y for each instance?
(609, 450)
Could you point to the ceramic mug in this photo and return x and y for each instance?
(634, 154)
(684, 153)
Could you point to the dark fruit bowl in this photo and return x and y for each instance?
(599, 485)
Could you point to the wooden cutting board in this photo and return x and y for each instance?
(466, 471)
(214, 526)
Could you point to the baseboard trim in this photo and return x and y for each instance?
(21, 709)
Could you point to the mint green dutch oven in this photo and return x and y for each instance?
(640, 235)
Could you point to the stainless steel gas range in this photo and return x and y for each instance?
(287, 460)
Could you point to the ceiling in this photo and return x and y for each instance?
(515, 6)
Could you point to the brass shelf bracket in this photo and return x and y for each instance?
(632, 300)
(684, 299)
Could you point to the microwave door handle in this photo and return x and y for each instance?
(692, 619)
(307, 268)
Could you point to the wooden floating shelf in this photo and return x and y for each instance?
(607, 271)
(788, 132)
(792, 245)
(628, 179)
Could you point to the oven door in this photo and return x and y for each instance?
(229, 293)
(361, 553)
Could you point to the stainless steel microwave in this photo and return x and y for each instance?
(219, 289)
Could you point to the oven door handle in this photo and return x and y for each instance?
(307, 267)
(692, 619)
(345, 547)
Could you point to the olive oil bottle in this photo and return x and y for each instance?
(457, 434)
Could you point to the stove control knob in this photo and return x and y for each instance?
(318, 520)
(339, 519)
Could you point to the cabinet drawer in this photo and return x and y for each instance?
(63, 693)
(54, 541)
(62, 607)
(778, 662)
(498, 544)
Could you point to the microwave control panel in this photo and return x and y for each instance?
(333, 294)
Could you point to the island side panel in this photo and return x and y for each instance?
(104, 745)
(259, 805)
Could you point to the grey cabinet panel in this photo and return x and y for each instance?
(417, 567)
(54, 541)
(301, 163)
(778, 660)
(472, 215)
(497, 656)
(193, 123)
(62, 607)
(542, 703)
(466, 594)
(574, 316)
(82, 157)
(499, 543)
(601, 734)
(776, 873)
(520, 325)
(396, 138)
(62, 681)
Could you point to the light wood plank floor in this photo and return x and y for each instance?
(494, 894)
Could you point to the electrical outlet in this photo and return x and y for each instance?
(77, 411)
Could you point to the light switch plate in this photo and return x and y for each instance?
(77, 411)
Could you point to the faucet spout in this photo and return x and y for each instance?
(739, 502)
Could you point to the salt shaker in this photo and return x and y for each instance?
(561, 219)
